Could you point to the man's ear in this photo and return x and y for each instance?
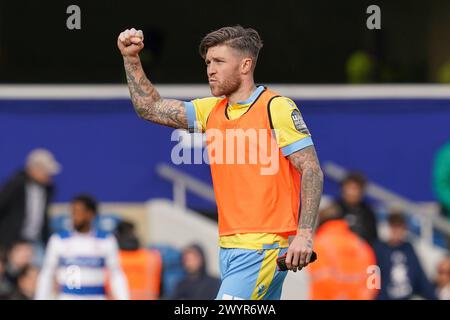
(247, 65)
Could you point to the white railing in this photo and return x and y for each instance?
(428, 216)
(189, 91)
(182, 183)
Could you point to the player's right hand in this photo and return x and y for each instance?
(130, 42)
(300, 250)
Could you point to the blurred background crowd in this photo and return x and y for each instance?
(352, 236)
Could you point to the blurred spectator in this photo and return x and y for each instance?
(81, 259)
(4, 284)
(198, 284)
(341, 269)
(358, 213)
(141, 266)
(443, 279)
(26, 284)
(19, 257)
(24, 201)
(441, 178)
(402, 276)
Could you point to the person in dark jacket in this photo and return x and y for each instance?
(5, 284)
(198, 284)
(402, 276)
(19, 257)
(357, 212)
(25, 198)
(26, 284)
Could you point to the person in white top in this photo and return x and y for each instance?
(81, 261)
(442, 279)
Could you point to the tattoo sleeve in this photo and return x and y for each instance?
(147, 102)
(306, 162)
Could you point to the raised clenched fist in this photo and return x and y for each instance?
(130, 42)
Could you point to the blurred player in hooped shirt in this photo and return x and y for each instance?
(81, 259)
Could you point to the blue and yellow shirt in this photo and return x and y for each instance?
(291, 134)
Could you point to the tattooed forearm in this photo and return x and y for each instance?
(147, 102)
(307, 163)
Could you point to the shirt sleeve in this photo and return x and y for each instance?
(291, 131)
(44, 287)
(197, 112)
(119, 283)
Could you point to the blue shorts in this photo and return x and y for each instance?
(250, 274)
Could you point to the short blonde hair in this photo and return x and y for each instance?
(246, 40)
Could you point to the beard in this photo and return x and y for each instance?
(82, 226)
(226, 87)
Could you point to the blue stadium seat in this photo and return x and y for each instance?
(105, 222)
(172, 269)
(59, 223)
